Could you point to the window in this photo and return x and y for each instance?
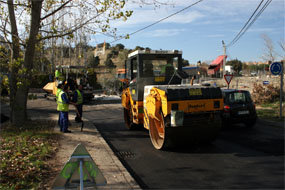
(148, 68)
(238, 97)
(134, 68)
(159, 67)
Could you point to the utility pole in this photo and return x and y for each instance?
(224, 59)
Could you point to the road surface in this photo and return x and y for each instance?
(240, 158)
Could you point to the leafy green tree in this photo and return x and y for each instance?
(110, 63)
(185, 62)
(236, 64)
(46, 20)
(139, 48)
(93, 61)
(4, 59)
(245, 67)
(119, 47)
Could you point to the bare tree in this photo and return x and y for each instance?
(269, 52)
(282, 46)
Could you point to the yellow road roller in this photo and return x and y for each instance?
(173, 113)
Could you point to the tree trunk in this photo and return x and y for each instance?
(18, 99)
(14, 57)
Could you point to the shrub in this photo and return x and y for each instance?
(265, 94)
(109, 63)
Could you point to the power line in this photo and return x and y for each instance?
(261, 11)
(247, 24)
(148, 26)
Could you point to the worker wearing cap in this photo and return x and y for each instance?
(78, 100)
(63, 108)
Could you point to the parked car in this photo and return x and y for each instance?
(238, 108)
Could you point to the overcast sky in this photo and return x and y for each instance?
(199, 30)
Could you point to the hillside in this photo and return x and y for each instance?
(114, 58)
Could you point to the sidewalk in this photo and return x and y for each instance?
(115, 173)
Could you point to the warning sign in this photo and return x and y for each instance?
(80, 170)
(228, 79)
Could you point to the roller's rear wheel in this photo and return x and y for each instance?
(158, 132)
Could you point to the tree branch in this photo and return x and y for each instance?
(57, 19)
(55, 11)
(71, 31)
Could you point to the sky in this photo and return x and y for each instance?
(198, 31)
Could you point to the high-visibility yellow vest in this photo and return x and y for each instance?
(57, 73)
(59, 76)
(57, 93)
(79, 97)
(61, 106)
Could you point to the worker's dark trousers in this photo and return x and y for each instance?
(78, 117)
(63, 123)
(58, 122)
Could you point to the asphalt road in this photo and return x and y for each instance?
(240, 158)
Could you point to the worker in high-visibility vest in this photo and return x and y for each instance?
(78, 100)
(59, 76)
(63, 108)
(59, 89)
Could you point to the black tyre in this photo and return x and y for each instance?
(128, 117)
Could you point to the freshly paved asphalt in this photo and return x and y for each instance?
(240, 158)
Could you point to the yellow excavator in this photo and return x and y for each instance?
(173, 113)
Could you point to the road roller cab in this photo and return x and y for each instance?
(170, 111)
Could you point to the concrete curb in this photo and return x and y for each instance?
(115, 173)
(120, 177)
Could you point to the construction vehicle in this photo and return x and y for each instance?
(173, 113)
(121, 75)
(76, 78)
(122, 80)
